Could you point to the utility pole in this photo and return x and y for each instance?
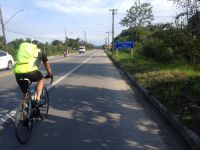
(65, 35)
(3, 30)
(108, 39)
(105, 44)
(3, 26)
(113, 20)
(85, 37)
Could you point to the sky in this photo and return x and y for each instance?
(48, 20)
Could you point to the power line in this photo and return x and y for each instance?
(29, 35)
(120, 4)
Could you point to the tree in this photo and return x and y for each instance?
(140, 14)
(73, 43)
(1, 43)
(15, 44)
(186, 9)
(57, 42)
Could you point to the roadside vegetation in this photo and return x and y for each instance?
(175, 84)
(166, 59)
(55, 47)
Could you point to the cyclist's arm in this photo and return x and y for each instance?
(48, 68)
(46, 64)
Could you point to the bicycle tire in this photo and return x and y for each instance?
(44, 109)
(22, 130)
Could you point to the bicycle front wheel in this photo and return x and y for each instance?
(23, 122)
(44, 108)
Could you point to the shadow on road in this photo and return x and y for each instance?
(81, 120)
(85, 117)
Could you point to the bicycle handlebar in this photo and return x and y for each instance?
(48, 76)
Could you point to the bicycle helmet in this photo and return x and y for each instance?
(33, 41)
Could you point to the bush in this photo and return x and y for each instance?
(157, 49)
(165, 43)
(169, 44)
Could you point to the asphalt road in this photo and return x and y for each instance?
(92, 107)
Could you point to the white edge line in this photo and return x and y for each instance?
(12, 113)
(3, 120)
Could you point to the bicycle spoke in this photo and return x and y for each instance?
(44, 108)
(23, 126)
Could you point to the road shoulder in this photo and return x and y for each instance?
(189, 136)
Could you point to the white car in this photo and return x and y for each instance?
(81, 49)
(6, 60)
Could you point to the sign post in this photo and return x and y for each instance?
(131, 51)
(125, 45)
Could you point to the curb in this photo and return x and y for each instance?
(189, 136)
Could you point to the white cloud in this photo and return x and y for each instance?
(163, 10)
(163, 7)
(93, 17)
(125, 5)
(72, 6)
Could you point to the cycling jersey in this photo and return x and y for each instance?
(28, 58)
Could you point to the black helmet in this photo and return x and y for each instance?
(35, 42)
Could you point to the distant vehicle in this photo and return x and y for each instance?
(81, 49)
(6, 60)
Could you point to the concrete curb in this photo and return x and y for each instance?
(189, 136)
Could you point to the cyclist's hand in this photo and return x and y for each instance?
(49, 76)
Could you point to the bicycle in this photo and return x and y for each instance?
(27, 112)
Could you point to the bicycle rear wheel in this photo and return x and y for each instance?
(44, 108)
(23, 122)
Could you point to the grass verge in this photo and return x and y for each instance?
(176, 85)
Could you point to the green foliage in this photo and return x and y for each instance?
(57, 42)
(13, 46)
(171, 43)
(174, 84)
(156, 48)
(164, 43)
(1, 43)
(138, 15)
(56, 47)
(74, 43)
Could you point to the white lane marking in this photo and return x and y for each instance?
(12, 113)
(70, 72)
(9, 116)
(3, 119)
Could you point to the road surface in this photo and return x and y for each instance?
(92, 107)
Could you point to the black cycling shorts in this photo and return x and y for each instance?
(33, 76)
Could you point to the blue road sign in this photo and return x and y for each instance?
(125, 44)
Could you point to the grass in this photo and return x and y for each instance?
(175, 84)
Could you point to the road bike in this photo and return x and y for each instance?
(29, 112)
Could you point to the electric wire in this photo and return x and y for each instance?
(30, 35)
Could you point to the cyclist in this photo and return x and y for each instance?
(29, 56)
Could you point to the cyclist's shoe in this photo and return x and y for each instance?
(41, 102)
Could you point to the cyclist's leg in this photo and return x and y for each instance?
(39, 88)
(36, 76)
(23, 86)
(21, 83)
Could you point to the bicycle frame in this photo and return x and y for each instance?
(25, 117)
